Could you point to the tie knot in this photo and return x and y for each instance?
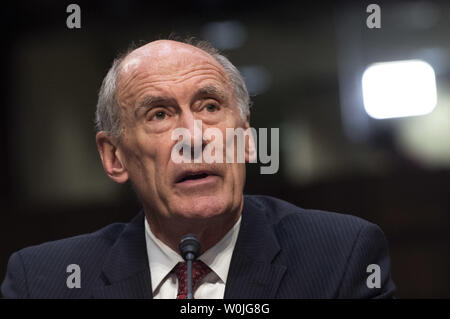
(199, 270)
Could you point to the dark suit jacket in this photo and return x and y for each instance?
(282, 251)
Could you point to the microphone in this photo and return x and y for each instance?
(189, 248)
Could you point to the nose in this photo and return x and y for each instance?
(195, 129)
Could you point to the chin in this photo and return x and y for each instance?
(200, 207)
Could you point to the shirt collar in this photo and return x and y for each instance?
(162, 258)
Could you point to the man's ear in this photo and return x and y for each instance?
(110, 156)
(250, 143)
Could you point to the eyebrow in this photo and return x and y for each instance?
(209, 90)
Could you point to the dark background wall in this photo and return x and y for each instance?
(302, 63)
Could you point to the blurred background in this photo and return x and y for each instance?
(303, 63)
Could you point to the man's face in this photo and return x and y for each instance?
(167, 85)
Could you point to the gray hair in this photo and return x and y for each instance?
(107, 115)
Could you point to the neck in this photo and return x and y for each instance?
(209, 231)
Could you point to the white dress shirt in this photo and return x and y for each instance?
(162, 259)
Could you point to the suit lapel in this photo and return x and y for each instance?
(126, 272)
(252, 272)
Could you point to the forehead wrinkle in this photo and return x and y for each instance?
(138, 81)
(162, 97)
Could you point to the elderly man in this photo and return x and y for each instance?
(251, 246)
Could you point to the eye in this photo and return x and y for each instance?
(158, 116)
(211, 108)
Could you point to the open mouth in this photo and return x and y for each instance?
(193, 176)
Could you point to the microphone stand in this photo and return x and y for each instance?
(189, 248)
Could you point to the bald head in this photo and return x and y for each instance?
(161, 58)
(163, 53)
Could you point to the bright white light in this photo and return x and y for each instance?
(399, 89)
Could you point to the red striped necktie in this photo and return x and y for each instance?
(199, 270)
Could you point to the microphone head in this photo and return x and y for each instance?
(189, 247)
